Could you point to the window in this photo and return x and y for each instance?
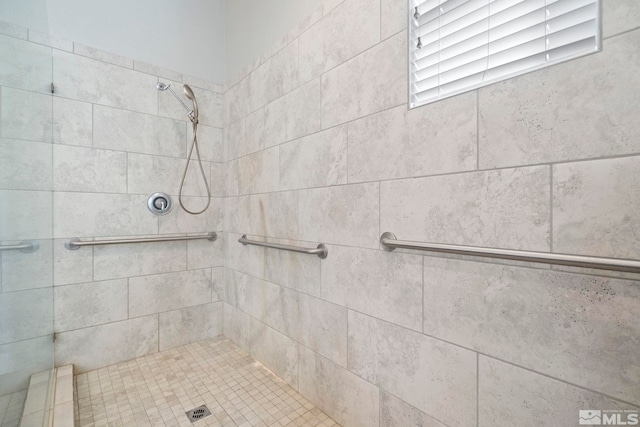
(460, 45)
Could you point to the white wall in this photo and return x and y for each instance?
(249, 34)
(182, 35)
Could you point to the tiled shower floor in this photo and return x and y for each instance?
(157, 390)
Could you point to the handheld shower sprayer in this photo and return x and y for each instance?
(191, 112)
(193, 115)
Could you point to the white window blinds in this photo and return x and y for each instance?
(459, 45)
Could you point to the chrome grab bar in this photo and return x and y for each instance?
(75, 244)
(321, 250)
(26, 246)
(390, 242)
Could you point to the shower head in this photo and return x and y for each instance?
(192, 113)
(189, 93)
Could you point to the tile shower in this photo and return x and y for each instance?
(314, 143)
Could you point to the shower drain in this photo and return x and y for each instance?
(198, 413)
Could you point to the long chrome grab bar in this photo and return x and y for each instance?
(25, 246)
(75, 244)
(321, 250)
(390, 242)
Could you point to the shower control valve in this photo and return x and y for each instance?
(159, 203)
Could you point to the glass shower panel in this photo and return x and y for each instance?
(26, 213)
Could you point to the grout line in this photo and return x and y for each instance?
(347, 127)
(477, 389)
(551, 208)
(93, 125)
(477, 129)
(422, 316)
(93, 263)
(619, 34)
(460, 172)
(380, 17)
(128, 298)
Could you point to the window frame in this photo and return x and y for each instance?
(410, 48)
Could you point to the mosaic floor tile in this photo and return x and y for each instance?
(157, 390)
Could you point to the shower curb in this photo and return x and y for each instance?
(50, 399)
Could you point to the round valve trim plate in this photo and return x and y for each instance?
(159, 203)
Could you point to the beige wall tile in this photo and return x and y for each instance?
(322, 327)
(259, 172)
(101, 55)
(101, 214)
(25, 215)
(508, 312)
(345, 214)
(92, 170)
(120, 261)
(29, 314)
(579, 109)
(274, 214)
(345, 397)
(169, 291)
(434, 139)
(619, 16)
(51, 41)
(179, 221)
(276, 77)
(339, 37)
(237, 101)
(396, 413)
(384, 285)
(355, 88)
(30, 64)
(192, 324)
(276, 351)
(293, 270)
(71, 266)
(513, 396)
(139, 133)
(90, 304)
(244, 258)
(75, 77)
(149, 174)
(72, 122)
(25, 165)
(295, 115)
(20, 271)
(435, 377)
(105, 345)
(318, 160)
(210, 143)
(394, 17)
(508, 208)
(203, 253)
(595, 208)
(237, 326)
(26, 115)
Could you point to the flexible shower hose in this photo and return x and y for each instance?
(194, 144)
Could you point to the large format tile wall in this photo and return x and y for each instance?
(321, 148)
(113, 140)
(26, 279)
